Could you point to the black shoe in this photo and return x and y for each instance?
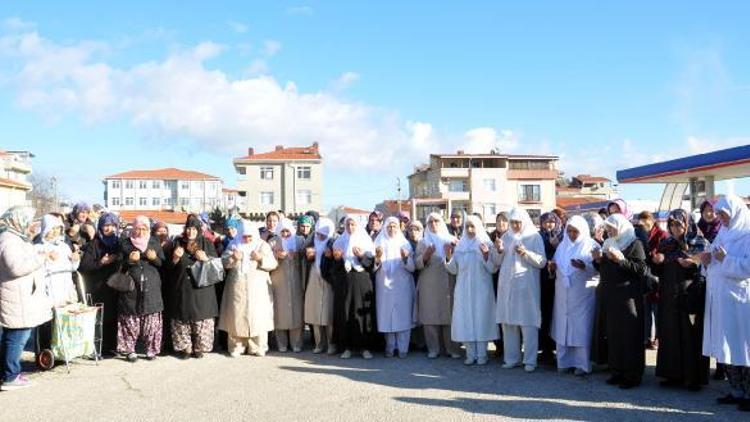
(719, 374)
(150, 357)
(626, 385)
(694, 387)
(670, 383)
(728, 399)
(132, 357)
(614, 380)
(198, 355)
(744, 405)
(183, 355)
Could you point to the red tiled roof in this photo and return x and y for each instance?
(290, 153)
(169, 217)
(229, 190)
(350, 210)
(163, 174)
(9, 183)
(593, 179)
(563, 202)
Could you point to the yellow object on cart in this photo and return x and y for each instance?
(73, 331)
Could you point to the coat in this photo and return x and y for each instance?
(573, 312)
(146, 298)
(288, 289)
(518, 288)
(319, 293)
(353, 305)
(247, 305)
(58, 274)
(473, 301)
(23, 303)
(435, 287)
(726, 332)
(394, 297)
(95, 277)
(185, 302)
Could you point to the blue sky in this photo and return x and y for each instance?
(93, 88)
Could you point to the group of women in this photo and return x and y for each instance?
(573, 289)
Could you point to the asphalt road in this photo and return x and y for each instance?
(297, 387)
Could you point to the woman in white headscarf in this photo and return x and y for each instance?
(575, 297)
(435, 288)
(520, 254)
(61, 264)
(247, 305)
(354, 295)
(319, 293)
(727, 320)
(394, 287)
(288, 287)
(472, 322)
(622, 269)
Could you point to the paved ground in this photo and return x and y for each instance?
(304, 386)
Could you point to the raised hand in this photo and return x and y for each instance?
(151, 254)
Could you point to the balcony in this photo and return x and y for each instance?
(450, 172)
(531, 174)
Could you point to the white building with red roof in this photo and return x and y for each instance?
(168, 189)
(15, 187)
(287, 178)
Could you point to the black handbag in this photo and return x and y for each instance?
(121, 282)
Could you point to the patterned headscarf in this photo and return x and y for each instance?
(306, 219)
(17, 220)
(230, 241)
(109, 242)
(709, 229)
(689, 243)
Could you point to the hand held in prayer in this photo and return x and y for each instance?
(106, 259)
(52, 256)
(378, 253)
(448, 249)
(521, 250)
(428, 253)
(357, 252)
(596, 254)
(485, 251)
(685, 262)
(237, 255)
(310, 254)
(338, 254)
(705, 258)
(134, 256)
(328, 253)
(201, 256)
(90, 231)
(75, 257)
(404, 254)
(281, 254)
(74, 229)
(657, 258)
(552, 266)
(151, 254)
(720, 253)
(577, 263)
(499, 245)
(255, 256)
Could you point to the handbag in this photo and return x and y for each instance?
(121, 281)
(207, 273)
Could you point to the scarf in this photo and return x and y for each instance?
(625, 234)
(709, 229)
(549, 235)
(391, 246)
(109, 242)
(471, 244)
(289, 243)
(230, 241)
(622, 206)
(141, 242)
(325, 228)
(689, 243)
(439, 238)
(17, 220)
(579, 249)
(739, 219)
(349, 240)
(49, 223)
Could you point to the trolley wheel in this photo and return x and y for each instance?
(45, 360)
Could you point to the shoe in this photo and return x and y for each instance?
(402, 355)
(614, 380)
(728, 399)
(183, 355)
(469, 361)
(529, 368)
(455, 356)
(17, 384)
(432, 355)
(510, 365)
(388, 354)
(282, 349)
(132, 357)
(331, 350)
(260, 353)
(563, 370)
(670, 383)
(694, 387)
(366, 354)
(626, 385)
(150, 357)
(235, 354)
(744, 405)
(580, 372)
(198, 355)
(347, 354)
(296, 350)
(482, 361)
(317, 350)
(719, 374)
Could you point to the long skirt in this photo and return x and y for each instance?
(147, 328)
(193, 336)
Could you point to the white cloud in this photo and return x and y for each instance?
(485, 139)
(299, 10)
(271, 47)
(344, 81)
(258, 67)
(17, 24)
(238, 27)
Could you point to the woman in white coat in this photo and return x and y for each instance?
(394, 287)
(472, 322)
(575, 297)
(247, 304)
(62, 261)
(520, 254)
(726, 334)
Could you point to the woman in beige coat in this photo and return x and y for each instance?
(435, 289)
(319, 293)
(247, 304)
(288, 288)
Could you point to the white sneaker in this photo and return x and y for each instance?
(331, 350)
(17, 384)
(347, 354)
(469, 361)
(317, 350)
(455, 356)
(432, 355)
(296, 350)
(366, 354)
(402, 355)
(388, 354)
(236, 354)
(529, 368)
(510, 365)
(482, 361)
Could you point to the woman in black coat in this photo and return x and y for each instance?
(192, 310)
(101, 258)
(622, 268)
(139, 311)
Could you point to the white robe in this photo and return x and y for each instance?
(726, 331)
(394, 294)
(58, 274)
(473, 299)
(518, 288)
(575, 301)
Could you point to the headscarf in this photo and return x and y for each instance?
(625, 233)
(348, 241)
(192, 221)
(403, 218)
(156, 225)
(288, 244)
(49, 223)
(527, 226)
(739, 219)
(109, 242)
(141, 242)
(622, 205)
(594, 221)
(418, 225)
(579, 249)
(250, 230)
(17, 220)
(709, 230)
(471, 245)
(548, 235)
(324, 227)
(78, 208)
(315, 216)
(306, 219)
(392, 245)
(230, 241)
(441, 237)
(673, 247)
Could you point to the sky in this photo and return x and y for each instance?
(96, 88)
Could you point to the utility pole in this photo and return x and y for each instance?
(398, 198)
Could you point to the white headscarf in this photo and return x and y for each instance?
(250, 230)
(288, 244)
(392, 245)
(511, 239)
(594, 221)
(324, 227)
(348, 241)
(739, 219)
(469, 245)
(440, 238)
(625, 233)
(49, 222)
(579, 249)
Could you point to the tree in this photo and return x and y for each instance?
(44, 194)
(218, 218)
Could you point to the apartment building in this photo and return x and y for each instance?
(15, 187)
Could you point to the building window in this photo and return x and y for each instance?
(303, 173)
(185, 185)
(242, 170)
(128, 201)
(184, 202)
(142, 184)
(457, 186)
(142, 202)
(266, 173)
(304, 197)
(128, 184)
(156, 184)
(489, 185)
(155, 202)
(266, 198)
(115, 202)
(115, 184)
(490, 210)
(529, 165)
(167, 201)
(529, 193)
